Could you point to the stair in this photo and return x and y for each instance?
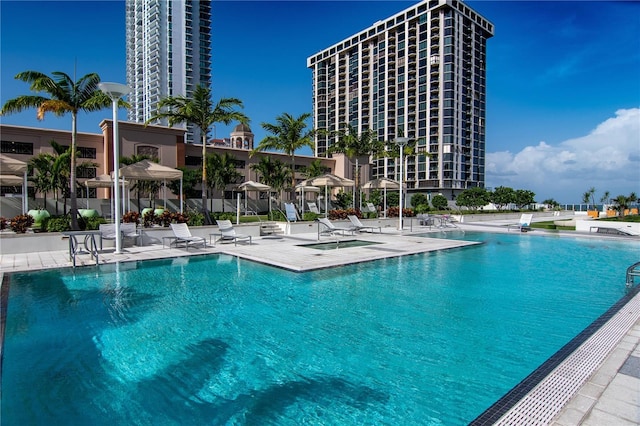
(270, 229)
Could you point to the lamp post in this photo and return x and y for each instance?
(115, 91)
(401, 142)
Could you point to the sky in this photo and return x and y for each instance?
(563, 78)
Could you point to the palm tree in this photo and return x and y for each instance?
(623, 203)
(64, 96)
(288, 134)
(273, 172)
(357, 147)
(201, 112)
(61, 171)
(41, 168)
(314, 169)
(589, 196)
(222, 171)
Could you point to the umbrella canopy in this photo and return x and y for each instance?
(11, 166)
(148, 170)
(253, 186)
(327, 180)
(12, 180)
(102, 181)
(303, 188)
(382, 183)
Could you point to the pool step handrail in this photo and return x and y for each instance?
(632, 272)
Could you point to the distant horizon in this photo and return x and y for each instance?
(558, 122)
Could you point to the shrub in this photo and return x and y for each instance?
(277, 216)
(224, 216)
(195, 219)
(422, 208)
(131, 217)
(58, 224)
(310, 216)
(342, 214)
(180, 217)
(93, 223)
(165, 218)
(149, 219)
(395, 212)
(3, 223)
(21, 223)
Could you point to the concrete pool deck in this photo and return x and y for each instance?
(605, 392)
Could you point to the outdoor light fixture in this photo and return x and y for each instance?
(401, 142)
(115, 91)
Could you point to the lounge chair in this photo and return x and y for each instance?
(313, 208)
(359, 227)
(183, 236)
(108, 231)
(228, 233)
(524, 224)
(370, 208)
(330, 228)
(424, 219)
(292, 212)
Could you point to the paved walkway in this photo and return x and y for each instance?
(608, 394)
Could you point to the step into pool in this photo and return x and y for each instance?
(333, 245)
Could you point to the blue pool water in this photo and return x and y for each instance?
(429, 339)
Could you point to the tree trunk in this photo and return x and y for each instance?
(73, 211)
(205, 210)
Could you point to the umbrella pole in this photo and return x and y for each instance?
(385, 202)
(326, 213)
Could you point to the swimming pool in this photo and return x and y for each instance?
(217, 340)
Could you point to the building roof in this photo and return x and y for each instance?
(242, 128)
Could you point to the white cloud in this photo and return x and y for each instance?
(607, 159)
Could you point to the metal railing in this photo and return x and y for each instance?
(632, 272)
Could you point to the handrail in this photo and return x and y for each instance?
(632, 271)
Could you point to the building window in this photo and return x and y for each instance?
(149, 151)
(23, 148)
(86, 152)
(190, 160)
(86, 172)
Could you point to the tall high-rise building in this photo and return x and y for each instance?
(419, 74)
(168, 53)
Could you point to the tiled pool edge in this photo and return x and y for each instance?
(541, 396)
(4, 298)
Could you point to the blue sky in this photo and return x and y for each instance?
(563, 78)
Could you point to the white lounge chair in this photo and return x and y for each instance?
(330, 228)
(313, 208)
(359, 227)
(292, 212)
(524, 224)
(370, 208)
(227, 233)
(183, 236)
(108, 231)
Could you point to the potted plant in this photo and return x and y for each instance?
(21, 223)
(39, 216)
(131, 217)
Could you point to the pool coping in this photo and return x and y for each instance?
(538, 399)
